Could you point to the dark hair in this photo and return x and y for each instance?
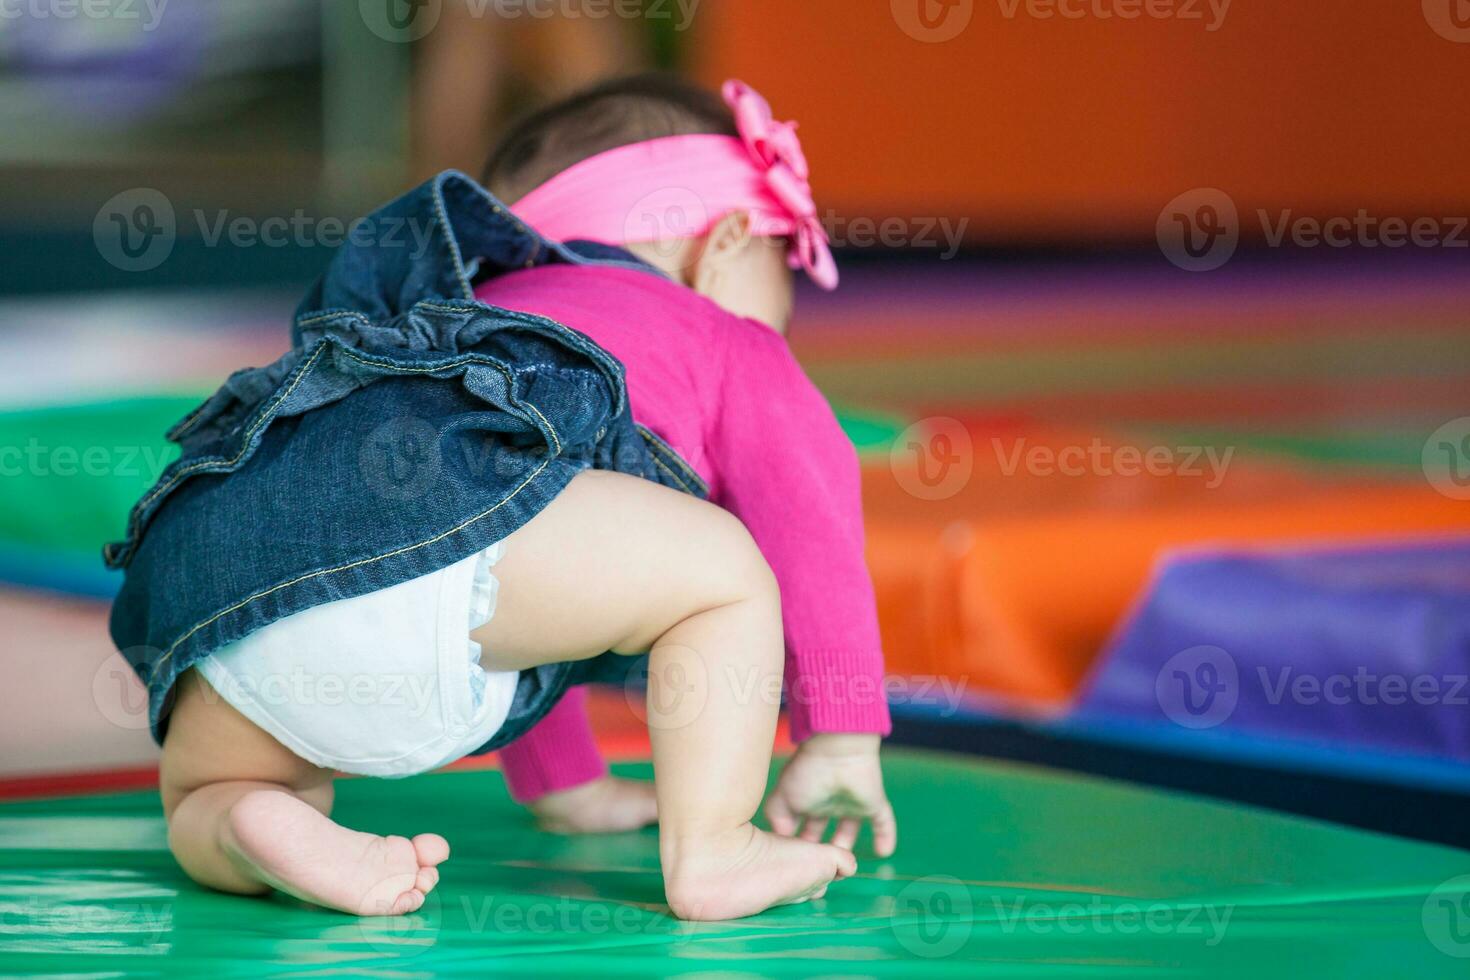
(604, 117)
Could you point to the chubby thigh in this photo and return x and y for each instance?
(386, 684)
(613, 563)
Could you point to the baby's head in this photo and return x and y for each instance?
(712, 191)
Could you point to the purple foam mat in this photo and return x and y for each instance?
(1364, 648)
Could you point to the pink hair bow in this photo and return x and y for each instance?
(776, 150)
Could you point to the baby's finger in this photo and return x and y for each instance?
(783, 821)
(815, 829)
(846, 833)
(885, 830)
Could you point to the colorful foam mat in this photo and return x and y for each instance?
(1002, 870)
(1359, 650)
(1005, 556)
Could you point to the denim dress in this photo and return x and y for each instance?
(408, 427)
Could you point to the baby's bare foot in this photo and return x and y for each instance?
(290, 846)
(604, 806)
(747, 871)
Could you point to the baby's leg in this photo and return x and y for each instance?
(622, 564)
(245, 815)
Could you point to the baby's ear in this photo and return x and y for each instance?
(729, 236)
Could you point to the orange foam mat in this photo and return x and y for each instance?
(1013, 582)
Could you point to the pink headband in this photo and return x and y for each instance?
(679, 187)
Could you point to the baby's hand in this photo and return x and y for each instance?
(608, 805)
(834, 776)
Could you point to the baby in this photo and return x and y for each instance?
(567, 435)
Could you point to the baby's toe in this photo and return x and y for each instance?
(431, 849)
(410, 901)
(426, 880)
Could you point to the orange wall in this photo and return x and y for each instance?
(1058, 129)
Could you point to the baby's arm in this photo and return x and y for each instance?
(784, 466)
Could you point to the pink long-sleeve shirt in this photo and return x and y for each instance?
(729, 397)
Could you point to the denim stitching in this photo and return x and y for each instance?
(263, 417)
(342, 568)
(448, 232)
(657, 447)
(332, 315)
(467, 358)
(305, 368)
(188, 421)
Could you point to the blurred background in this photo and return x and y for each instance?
(1154, 340)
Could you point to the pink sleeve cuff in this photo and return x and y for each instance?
(836, 691)
(558, 753)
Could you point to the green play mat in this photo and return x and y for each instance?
(1002, 870)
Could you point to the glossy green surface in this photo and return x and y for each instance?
(1001, 871)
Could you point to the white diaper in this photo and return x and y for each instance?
(384, 684)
